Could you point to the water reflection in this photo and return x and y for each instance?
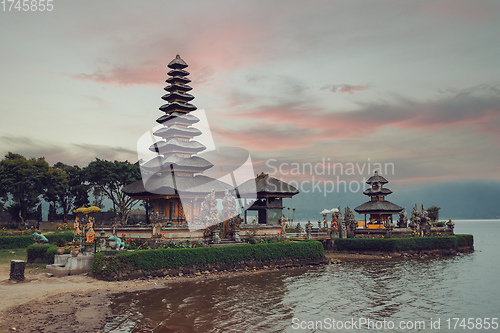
(462, 286)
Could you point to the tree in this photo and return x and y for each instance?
(109, 178)
(22, 183)
(70, 192)
(433, 213)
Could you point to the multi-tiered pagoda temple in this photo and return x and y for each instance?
(174, 173)
(378, 207)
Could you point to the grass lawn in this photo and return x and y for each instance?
(20, 254)
(15, 254)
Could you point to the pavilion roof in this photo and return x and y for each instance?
(382, 190)
(376, 178)
(166, 184)
(379, 206)
(266, 185)
(177, 63)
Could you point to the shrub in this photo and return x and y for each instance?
(15, 242)
(106, 267)
(41, 253)
(66, 237)
(465, 240)
(18, 242)
(403, 244)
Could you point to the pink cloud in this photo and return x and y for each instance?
(271, 137)
(477, 107)
(470, 11)
(126, 75)
(347, 88)
(215, 43)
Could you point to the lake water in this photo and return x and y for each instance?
(411, 295)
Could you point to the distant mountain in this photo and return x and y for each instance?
(459, 200)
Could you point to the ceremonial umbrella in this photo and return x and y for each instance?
(93, 209)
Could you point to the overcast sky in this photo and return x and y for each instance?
(413, 83)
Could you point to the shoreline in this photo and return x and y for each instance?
(80, 303)
(77, 303)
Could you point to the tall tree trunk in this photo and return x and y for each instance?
(20, 212)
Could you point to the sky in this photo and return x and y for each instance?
(410, 84)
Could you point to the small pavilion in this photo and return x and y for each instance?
(270, 193)
(379, 209)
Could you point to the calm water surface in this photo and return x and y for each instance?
(402, 291)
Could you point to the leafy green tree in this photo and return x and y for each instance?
(110, 177)
(23, 182)
(70, 191)
(433, 213)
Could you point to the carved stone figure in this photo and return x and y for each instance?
(403, 219)
(77, 232)
(415, 219)
(283, 227)
(350, 220)
(39, 238)
(208, 213)
(90, 233)
(215, 237)
(309, 227)
(298, 229)
(228, 206)
(340, 221)
(425, 221)
(118, 243)
(334, 222)
(450, 225)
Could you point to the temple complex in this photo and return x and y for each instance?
(183, 202)
(379, 209)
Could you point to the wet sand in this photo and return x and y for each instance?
(80, 303)
(76, 303)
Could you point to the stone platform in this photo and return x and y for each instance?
(181, 232)
(65, 264)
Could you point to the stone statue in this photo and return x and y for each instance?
(425, 221)
(415, 219)
(350, 220)
(450, 225)
(208, 213)
(340, 221)
(334, 222)
(119, 244)
(215, 236)
(39, 238)
(298, 229)
(309, 228)
(77, 234)
(403, 219)
(283, 226)
(234, 225)
(90, 232)
(228, 206)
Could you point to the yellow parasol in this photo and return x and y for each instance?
(86, 210)
(93, 209)
(80, 210)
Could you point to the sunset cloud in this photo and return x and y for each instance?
(346, 88)
(286, 80)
